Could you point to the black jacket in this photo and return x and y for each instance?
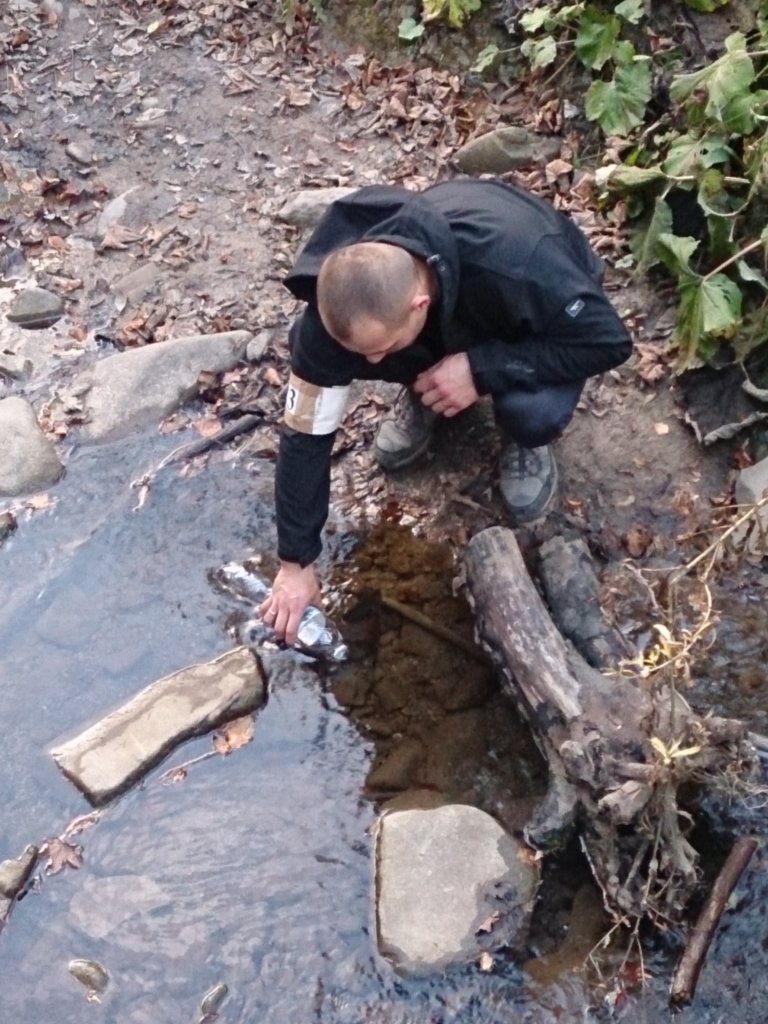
(519, 292)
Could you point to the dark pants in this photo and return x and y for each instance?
(534, 418)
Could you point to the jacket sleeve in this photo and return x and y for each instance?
(303, 473)
(302, 488)
(556, 326)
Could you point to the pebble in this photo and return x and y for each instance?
(90, 973)
(79, 153)
(213, 998)
(36, 308)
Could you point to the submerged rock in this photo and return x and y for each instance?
(450, 884)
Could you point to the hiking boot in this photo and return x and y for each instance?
(405, 433)
(527, 481)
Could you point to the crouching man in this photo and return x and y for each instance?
(468, 288)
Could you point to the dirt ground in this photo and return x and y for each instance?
(168, 136)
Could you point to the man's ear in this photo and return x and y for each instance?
(420, 300)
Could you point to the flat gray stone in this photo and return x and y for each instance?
(136, 389)
(36, 308)
(28, 460)
(441, 874)
(120, 749)
(505, 149)
(305, 208)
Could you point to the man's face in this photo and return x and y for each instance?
(371, 339)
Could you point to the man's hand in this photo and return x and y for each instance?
(447, 387)
(293, 589)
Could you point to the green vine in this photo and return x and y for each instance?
(694, 179)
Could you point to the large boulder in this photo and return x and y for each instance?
(136, 389)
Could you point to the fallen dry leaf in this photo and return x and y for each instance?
(208, 426)
(273, 377)
(234, 735)
(61, 855)
(488, 923)
(637, 541)
(117, 236)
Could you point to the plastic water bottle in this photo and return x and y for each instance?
(316, 636)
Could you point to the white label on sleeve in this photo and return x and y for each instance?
(311, 409)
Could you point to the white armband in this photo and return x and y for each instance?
(311, 409)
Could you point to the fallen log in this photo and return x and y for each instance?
(617, 755)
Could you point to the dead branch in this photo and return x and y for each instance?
(687, 974)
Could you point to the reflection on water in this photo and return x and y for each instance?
(255, 870)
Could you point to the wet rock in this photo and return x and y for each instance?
(136, 389)
(90, 973)
(35, 309)
(213, 999)
(441, 875)
(573, 593)
(120, 749)
(104, 906)
(305, 208)
(13, 877)
(506, 148)
(28, 460)
(14, 873)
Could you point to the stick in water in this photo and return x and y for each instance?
(687, 973)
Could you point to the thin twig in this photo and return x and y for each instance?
(433, 627)
(751, 511)
(168, 775)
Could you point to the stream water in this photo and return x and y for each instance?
(256, 869)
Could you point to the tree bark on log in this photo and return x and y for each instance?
(606, 776)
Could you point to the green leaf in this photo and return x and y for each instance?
(706, 6)
(709, 308)
(675, 252)
(532, 21)
(645, 244)
(619, 106)
(460, 10)
(632, 11)
(596, 38)
(727, 78)
(410, 29)
(485, 58)
(624, 178)
(764, 238)
(540, 52)
(751, 274)
(689, 152)
(712, 195)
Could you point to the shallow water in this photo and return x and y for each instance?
(255, 870)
